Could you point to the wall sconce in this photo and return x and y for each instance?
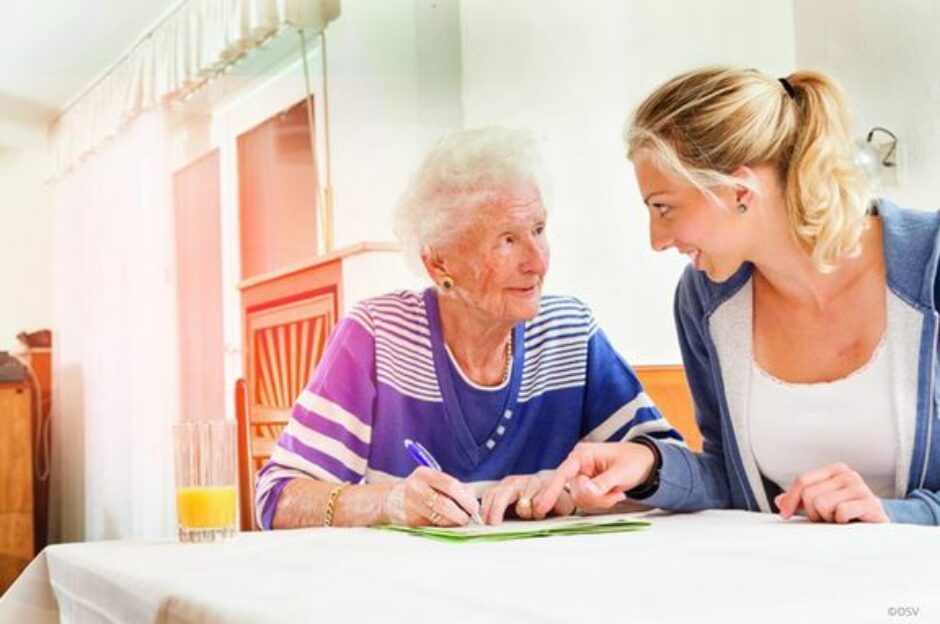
(877, 157)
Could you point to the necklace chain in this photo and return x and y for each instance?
(508, 368)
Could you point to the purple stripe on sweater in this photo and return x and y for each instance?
(270, 503)
(426, 384)
(400, 334)
(410, 366)
(316, 422)
(413, 309)
(420, 358)
(327, 462)
(416, 323)
(346, 365)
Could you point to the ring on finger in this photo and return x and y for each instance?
(435, 518)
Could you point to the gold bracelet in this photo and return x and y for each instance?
(331, 503)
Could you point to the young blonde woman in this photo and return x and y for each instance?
(807, 321)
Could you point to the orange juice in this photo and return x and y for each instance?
(206, 507)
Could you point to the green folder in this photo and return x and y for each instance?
(522, 529)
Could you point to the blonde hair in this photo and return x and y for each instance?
(465, 171)
(702, 125)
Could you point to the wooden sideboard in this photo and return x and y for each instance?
(40, 360)
(16, 481)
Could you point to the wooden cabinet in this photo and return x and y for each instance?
(16, 481)
(40, 360)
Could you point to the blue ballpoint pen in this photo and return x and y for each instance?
(423, 457)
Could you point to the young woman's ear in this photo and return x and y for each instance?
(747, 181)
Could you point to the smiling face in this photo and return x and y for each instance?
(499, 262)
(712, 233)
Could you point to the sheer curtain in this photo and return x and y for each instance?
(116, 391)
(116, 358)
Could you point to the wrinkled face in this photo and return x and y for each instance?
(499, 262)
(711, 233)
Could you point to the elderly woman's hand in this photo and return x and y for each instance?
(833, 493)
(430, 497)
(520, 491)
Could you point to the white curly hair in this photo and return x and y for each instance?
(464, 172)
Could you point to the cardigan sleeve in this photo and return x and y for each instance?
(920, 507)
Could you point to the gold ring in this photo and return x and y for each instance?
(435, 518)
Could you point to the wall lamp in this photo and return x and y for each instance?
(876, 156)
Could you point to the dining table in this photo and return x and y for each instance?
(708, 566)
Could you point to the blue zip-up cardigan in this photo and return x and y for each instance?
(714, 327)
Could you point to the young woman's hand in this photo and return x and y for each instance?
(833, 493)
(597, 474)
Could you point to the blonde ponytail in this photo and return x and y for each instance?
(826, 196)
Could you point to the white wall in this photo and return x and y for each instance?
(25, 245)
(887, 57)
(394, 87)
(572, 71)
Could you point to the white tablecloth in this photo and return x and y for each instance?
(715, 566)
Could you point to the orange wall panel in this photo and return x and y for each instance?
(199, 283)
(277, 191)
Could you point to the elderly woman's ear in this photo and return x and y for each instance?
(434, 264)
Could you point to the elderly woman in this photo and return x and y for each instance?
(495, 380)
(807, 319)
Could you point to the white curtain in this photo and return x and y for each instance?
(115, 367)
(115, 356)
(197, 42)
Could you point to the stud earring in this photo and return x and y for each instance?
(742, 207)
(447, 282)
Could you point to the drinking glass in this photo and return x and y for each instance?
(205, 480)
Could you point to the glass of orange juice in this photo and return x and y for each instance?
(205, 479)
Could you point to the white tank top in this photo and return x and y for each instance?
(796, 427)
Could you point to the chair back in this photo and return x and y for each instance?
(258, 430)
(669, 390)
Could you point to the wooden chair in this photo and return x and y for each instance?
(258, 430)
(669, 390)
(288, 317)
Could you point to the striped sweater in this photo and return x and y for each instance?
(386, 375)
